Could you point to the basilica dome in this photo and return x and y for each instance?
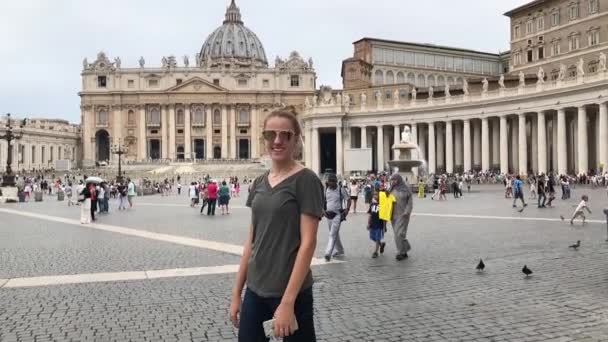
(232, 42)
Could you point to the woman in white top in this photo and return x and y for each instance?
(354, 194)
(192, 194)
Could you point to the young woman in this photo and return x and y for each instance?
(286, 204)
(354, 194)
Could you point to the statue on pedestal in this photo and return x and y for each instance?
(501, 81)
(540, 76)
(186, 61)
(307, 102)
(164, 62)
(117, 62)
(142, 62)
(522, 79)
(446, 90)
(562, 72)
(414, 93)
(85, 64)
(346, 101)
(580, 68)
(396, 97)
(363, 99)
(338, 99)
(431, 92)
(484, 85)
(465, 86)
(315, 100)
(406, 136)
(602, 61)
(378, 97)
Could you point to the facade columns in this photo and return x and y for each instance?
(363, 137)
(534, 150)
(523, 145)
(466, 132)
(396, 139)
(440, 147)
(414, 132)
(233, 132)
(583, 148)
(315, 150)
(380, 148)
(86, 117)
(163, 141)
(308, 144)
(255, 135)
(187, 133)
(339, 151)
(476, 143)
(208, 133)
(562, 152)
(449, 148)
(603, 134)
(504, 146)
(431, 158)
(457, 144)
(224, 132)
(171, 128)
(496, 142)
(142, 142)
(541, 143)
(485, 144)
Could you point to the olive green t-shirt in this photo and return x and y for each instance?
(275, 216)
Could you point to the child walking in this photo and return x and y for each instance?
(579, 209)
(376, 226)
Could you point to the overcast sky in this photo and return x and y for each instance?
(43, 42)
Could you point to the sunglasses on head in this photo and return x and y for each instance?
(271, 136)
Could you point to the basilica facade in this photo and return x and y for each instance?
(210, 109)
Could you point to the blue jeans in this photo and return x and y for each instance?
(255, 310)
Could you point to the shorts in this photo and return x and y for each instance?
(130, 197)
(354, 198)
(224, 200)
(376, 234)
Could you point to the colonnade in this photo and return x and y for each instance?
(571, 139)
(28, 154)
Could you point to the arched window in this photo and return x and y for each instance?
(441, 81)
(411, 78)
(154, 116)
(243, 116)
(180, 117)
(554, 74)
(131, 117)
(432, 81)
(400, 78)
(199, 117)
(459, 81)
(572, 71)
(390, 77)
(451, 80)
(421, 81)
(379, 78)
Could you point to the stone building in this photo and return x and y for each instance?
(210, 110)
(552, 33)
(44, 141)
(528, 120)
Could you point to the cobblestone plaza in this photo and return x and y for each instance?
(162, 272)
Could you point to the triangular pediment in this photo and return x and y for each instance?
(197, 85)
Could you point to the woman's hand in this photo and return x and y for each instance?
(235, 310)
(285, 319)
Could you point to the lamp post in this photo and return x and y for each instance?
(8, 179)
(119, 149)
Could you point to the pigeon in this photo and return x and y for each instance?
(576, 245)
(526, 270)
(480, 266)
(561, 217)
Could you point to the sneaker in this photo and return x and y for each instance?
(382, 245)
(400, 257)
(338, 255)
(327, 258)
(375, 255)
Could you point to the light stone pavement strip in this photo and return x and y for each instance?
(435, 295)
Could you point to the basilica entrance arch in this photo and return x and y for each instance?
(102, 141)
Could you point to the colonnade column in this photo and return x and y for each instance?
(431, 157)
(485, 145)
(583, 149)
(439, 146)
(562, 152)
(504, 146)
(315, 150)
(603, 134)
(255, 135)
(308, 144)
(224, 132)
(457, 144)
(171, 128)
(466, 132)
(363, 137)
(396, 139)
(523, 145)
(187, 133)
(496, 142)
(164, 141)
(339, 151)
(414, 132)
(534, 148)
(233, 132)
(542, 143)
(476, 143)
(449, 148)
(208, 133)
(142, 139)
(380, 149)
